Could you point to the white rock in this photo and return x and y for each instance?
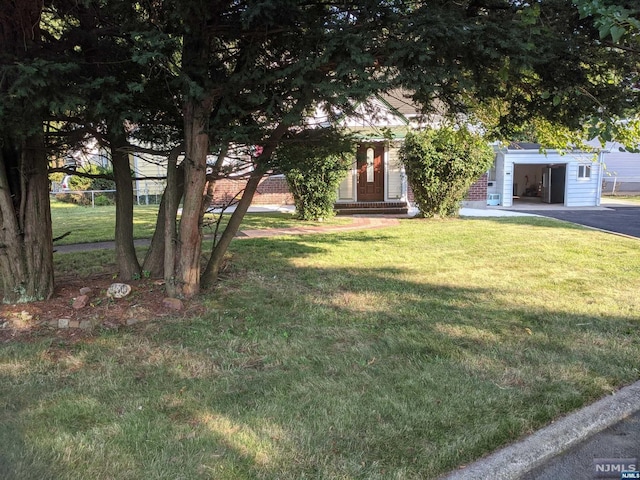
(118, 290)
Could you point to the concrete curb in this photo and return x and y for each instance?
(519, 458)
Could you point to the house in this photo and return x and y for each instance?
(376, 182)
(621, 173)
(523, 173)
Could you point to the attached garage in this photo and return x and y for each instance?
(523, 173)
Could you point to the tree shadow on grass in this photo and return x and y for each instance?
(310, 371)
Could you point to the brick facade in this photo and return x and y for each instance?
(271, 191)
(478, 191)
(275, 191)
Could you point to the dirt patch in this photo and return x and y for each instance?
(57, 315)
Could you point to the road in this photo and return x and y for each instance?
(623, 220)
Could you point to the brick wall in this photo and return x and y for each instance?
(274, 191)
(478, 191)
(271, 191)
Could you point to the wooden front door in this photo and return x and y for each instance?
(371, 173)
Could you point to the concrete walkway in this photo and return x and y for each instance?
(359, 222)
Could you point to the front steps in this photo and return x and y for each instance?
(371, 208)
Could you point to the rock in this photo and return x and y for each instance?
(172, 303)
(86, 291)
(118, 290)
(81, 302)
(86, 325)
(110, 325)
(131, 321)
(63, 323)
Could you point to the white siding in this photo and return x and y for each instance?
(394, 175)
(346, 190)
(582, 192)
(622, 170)
(506, 196)
(149, 166)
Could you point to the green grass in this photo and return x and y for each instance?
(627, 198)
(394, 353)
(88, 224)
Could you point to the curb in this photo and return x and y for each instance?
(519, 458)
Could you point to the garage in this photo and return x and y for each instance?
(525, 174)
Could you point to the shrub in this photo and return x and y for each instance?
(79, 183)
(103, 201)
(441, 165)
(314, 162)
(77, 198)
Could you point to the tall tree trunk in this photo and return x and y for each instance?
(26, 245)
(173, 194)
(210, 274)
(126, 258)
(154, 259)
(187, 269)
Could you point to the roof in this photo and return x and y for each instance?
(400, 101)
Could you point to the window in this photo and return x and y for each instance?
(584, 172)
(370, 170)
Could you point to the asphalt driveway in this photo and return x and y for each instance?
(625, 220)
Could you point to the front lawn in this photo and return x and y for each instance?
(400, 353)
(88, 224)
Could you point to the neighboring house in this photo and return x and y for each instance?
(622, 171)
(149, 172)
(522, 173)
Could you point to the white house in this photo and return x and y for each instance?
(523, 173)
(622, 171)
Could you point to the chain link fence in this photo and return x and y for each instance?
(614, 185)
(102, 198)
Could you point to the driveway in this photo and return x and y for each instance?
(618, 219)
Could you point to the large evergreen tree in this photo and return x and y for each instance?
(243, 72)
(26, 252)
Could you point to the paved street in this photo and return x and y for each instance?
(621, 441)
(619, 219)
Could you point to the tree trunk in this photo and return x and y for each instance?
(187, 269)
(26, 245)
(210, 274)
(154, 260)
(126, 258)
(172, 196)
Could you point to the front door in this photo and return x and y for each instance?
(371, 173)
